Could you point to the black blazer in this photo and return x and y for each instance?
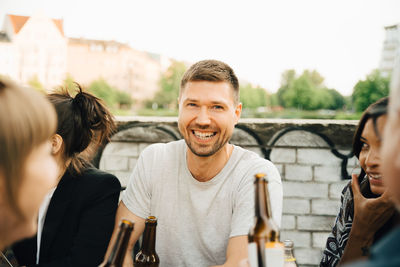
(78, 224)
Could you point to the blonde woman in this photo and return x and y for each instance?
(27, 168)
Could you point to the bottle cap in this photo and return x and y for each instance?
(288, 243)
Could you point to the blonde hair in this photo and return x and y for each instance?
(27, 120)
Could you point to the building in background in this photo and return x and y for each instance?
(132, 71)
(391, 48)
(35, 48)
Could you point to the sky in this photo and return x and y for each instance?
(341, 39)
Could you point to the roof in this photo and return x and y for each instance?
(18, 22)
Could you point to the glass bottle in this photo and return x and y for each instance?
(290, 260)
(265, 250)
(116, 258)
(147, 255)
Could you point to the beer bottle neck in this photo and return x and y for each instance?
(149, 238)
(121, 244)
(263, 207)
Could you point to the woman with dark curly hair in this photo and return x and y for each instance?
(366, 213)
(77, 217)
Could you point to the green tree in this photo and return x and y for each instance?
(367, 91)
(111, 96)
(338, 100)
(274, 100)
(287, 80)
(123, 99)
(307, 92)
(301, 94)
(170, 81)
(253, 97)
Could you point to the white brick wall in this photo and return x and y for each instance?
(325, 207)
(300, 239)
(319, 239)
(327, 174)
(315, 223)
(296, 206)
(305, 190)
(315, 156)
(283, 155)
(116, 163)
(123, 149)
(298, 172)
(288, 222)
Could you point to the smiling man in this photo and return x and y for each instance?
(200, 188)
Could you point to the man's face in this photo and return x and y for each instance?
(207, 116)
(390, 155)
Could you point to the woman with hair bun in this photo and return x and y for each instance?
(76, 219)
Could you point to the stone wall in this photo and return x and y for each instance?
(313, 157)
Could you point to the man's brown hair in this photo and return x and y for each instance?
(212, 71)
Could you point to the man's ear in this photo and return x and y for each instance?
(238, 111)
(56, 144)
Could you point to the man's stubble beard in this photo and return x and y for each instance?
(215, 148)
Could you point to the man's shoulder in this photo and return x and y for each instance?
(252, 158)
(253, 162)
(161, 148)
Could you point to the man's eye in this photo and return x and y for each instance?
(218, 107)
(191, 105)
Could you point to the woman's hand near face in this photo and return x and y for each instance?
(370, 214)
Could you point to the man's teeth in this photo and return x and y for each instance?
(375, 176)
(202, 135)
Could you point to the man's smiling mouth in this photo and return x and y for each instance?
(204, 135)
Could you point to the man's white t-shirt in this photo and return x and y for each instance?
(196, 219)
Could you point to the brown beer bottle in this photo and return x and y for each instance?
(265, 250)
(116, 258)
(147, 255)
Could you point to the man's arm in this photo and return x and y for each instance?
(236, 251)
(124, 213)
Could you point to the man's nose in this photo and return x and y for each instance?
(203, 117)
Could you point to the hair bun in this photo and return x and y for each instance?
(79, 99)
